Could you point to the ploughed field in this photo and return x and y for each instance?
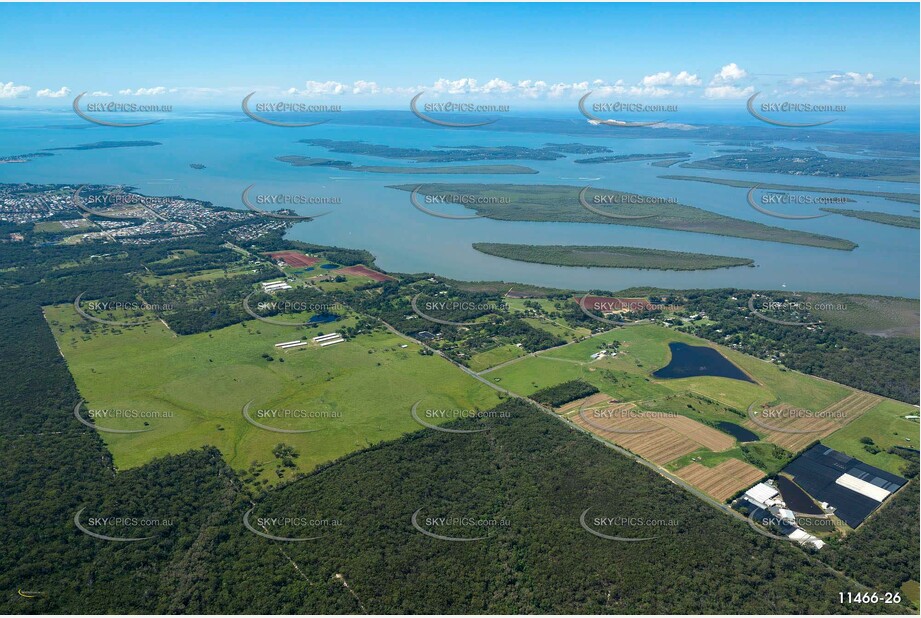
(723, 480)
(795, 428)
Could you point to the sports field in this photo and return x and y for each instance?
(193, 389)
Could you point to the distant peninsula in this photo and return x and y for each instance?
(811, 163)
(908, 198)
(24, 158)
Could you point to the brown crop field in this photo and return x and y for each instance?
(707, 437)
(796, 428)
(656, 437)
(363, 271)
(723, 480)
(294, 258)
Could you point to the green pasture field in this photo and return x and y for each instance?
(695, 406)
(58, 226)
(356, 393)
(705, 457)
(886, 425)
(496, 356)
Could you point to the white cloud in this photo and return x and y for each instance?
(728, 92)
(729, 73)
(687, 79)
(334, 88)
(143, 92)
(560, 89)
(464, 85)
(851, 81)
(665, 78)
(723, 84)
(9, 90)
(53, 94)
(196, 92)
(363, 87)
(532, 89)
(497, 85)
(649, 91)
(100, 93)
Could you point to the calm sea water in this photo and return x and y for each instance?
(238, 152)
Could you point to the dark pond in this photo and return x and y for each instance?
(689, 361)
(329, 266)
(738, 432)
(323, 318)
(796, 499)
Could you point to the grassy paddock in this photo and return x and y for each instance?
(358, 393)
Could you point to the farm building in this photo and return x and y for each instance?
(287, 345)
(274, 286)
(762, 495)
(766, 506)
(328, 340)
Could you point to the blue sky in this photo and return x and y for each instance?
(378, 54)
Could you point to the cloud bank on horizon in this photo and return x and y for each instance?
(730, 82)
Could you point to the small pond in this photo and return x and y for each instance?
(323, 318)
(797, 500)
(738, 432)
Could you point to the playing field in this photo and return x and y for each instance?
(192, 389)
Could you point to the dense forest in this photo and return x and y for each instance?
(528, 470)
(881, 365)
(564, 393)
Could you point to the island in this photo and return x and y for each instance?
(610, 257)
(109, 144)
(877, 217)
(450, 154)
(561, 203)
(628, 158)
(348, 166)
